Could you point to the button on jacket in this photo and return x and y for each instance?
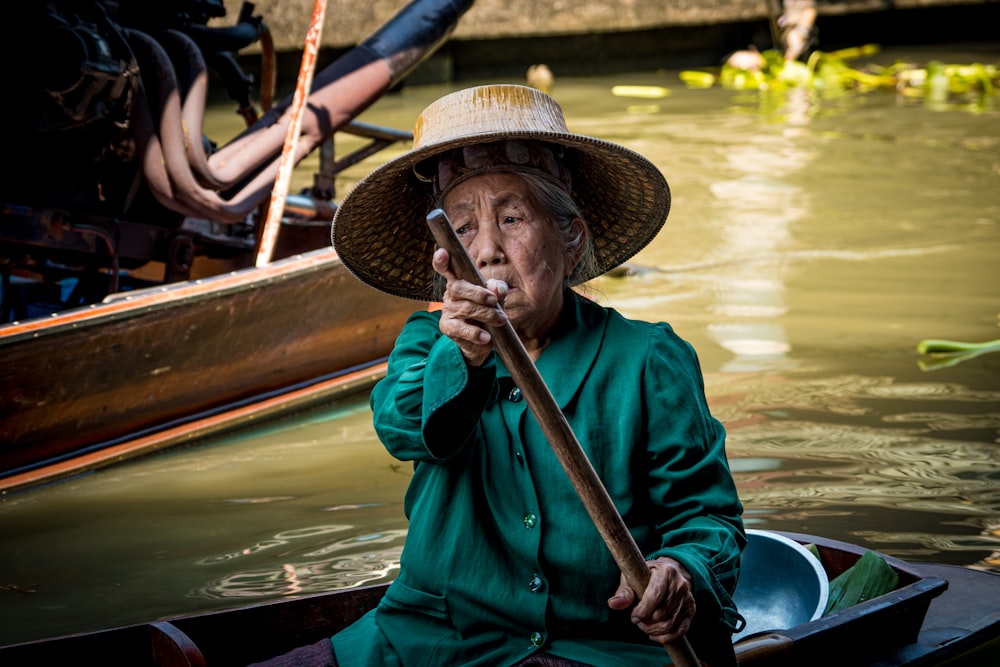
(502, 559)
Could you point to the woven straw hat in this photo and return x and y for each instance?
(380, 230)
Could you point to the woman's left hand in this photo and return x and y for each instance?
(665, 611)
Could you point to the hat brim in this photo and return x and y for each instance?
(380, 230)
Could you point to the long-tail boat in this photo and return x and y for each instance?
(936, 613)
(134, 298)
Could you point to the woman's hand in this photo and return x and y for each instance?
(665, 611)
(467, 311)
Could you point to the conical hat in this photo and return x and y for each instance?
(380, 230)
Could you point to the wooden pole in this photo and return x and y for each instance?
(276, 208)
(773, 14)
(560, 436)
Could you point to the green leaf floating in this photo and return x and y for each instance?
(937, 346)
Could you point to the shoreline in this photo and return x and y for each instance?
(471, 55)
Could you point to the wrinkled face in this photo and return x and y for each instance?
(509, 238)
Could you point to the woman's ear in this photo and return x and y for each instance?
(575, 253)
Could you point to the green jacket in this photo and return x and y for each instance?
(501, 558)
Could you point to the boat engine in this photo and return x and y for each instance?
(88, 84)
(111, 182)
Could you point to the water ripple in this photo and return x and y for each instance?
(858, 453)
(281, 539)
(988, 539)
(306, 577)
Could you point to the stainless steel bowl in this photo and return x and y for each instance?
(781, 584)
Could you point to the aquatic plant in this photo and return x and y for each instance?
(831, 72)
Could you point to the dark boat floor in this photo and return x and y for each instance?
(962, 623)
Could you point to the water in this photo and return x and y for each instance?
(809, 249)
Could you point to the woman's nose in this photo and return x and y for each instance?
(487, 247)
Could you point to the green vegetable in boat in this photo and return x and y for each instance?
(869, 578)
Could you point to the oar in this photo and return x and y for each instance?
(560, 436)
(773, 14)
(286, 163)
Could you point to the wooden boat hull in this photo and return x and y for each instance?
(938, 612)
(143, 361)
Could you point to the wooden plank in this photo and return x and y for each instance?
(216, 422)
(108, 372)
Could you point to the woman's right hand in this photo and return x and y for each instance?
(665, 611)
(467, 310)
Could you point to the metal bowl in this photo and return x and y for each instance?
(781, 584)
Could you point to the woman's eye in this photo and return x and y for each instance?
(464, 229)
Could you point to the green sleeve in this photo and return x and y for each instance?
(430, 400)
(700, 522)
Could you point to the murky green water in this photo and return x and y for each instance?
(810, 247)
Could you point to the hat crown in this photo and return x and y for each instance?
(488, 110)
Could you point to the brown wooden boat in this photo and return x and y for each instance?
(140, 291)
(97, 384)
(937, 613)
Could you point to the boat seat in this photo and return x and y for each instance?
(172, 648)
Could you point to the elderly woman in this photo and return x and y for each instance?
(502, 564)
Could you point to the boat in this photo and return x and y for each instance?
(141, 287)
(94, 386)
(936, 613)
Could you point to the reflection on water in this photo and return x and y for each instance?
(756, 207)
(929, 449)
(298, 506)
(346, 563)
(810, 247)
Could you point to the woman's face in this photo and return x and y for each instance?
(510, 239)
